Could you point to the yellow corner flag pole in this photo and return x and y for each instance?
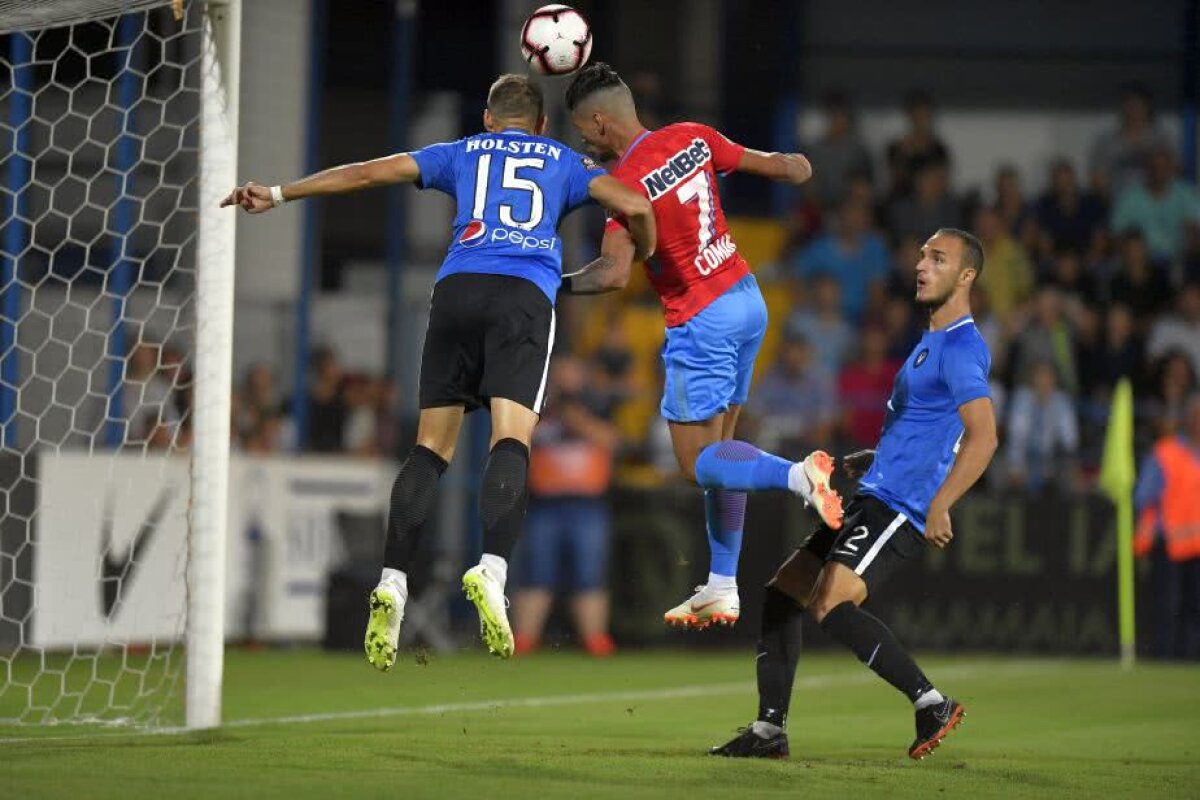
(1117, 476)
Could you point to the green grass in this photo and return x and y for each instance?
(1034, 729)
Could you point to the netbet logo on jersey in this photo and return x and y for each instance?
(678, 167)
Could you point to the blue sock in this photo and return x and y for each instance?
(725, 514)
(741, 467)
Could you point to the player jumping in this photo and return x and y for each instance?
(715, 316)
(939, 435)
(491, 326)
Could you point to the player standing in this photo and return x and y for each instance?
(715, 316)
(938, 437)
(491, 326)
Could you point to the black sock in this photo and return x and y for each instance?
(413, 494)
(778, 653)
(877, 647)
(503, 498)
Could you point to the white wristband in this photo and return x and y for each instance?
(277, 198)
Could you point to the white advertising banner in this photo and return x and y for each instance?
(109, 552)
(111, 545)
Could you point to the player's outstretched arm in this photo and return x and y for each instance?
(785, 167)
(974, 454)
(636, 209)
(256, 199)
(610, 271)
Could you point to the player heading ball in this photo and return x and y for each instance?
(491, 325)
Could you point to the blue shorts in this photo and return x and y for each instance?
(709, 359)
(565, 545)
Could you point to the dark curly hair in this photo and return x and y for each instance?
(589, 80)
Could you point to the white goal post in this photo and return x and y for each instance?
(119, 121)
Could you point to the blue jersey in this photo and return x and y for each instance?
(511, 189)
(946, 370)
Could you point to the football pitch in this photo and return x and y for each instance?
(303, 723)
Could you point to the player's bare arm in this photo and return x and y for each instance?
(608, 273)
(974, 454)
(783, 167)
(398, 168)
(635, 208)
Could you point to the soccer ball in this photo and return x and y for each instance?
(556, 40)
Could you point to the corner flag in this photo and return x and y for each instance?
(1117, 476)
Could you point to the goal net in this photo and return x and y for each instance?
(118, 125)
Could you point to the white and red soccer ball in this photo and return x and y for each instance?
(556, 40)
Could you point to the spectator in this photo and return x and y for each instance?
(1067, 216)
(794, 406)
(1017, 214)
(902, 280)
(840, 152)
(1169, 527)
(1119, 156)
(389, 428)
(1118, 353)
(823, 325)
(1137, 282)
(929, 206)
(1047, 339)
(1009, 277)
(903, 327)
(1175, 380)
(1162, 209)
(147, 398)
(853, 254)
(1043, 433)
(864, 387)
(361, 427)
(259, 400)
(1067, 275)
(326, 405)
(1180, 331)
(177, 372)
(267, 436)
(919, 145)
(996, 335)
(569, 527)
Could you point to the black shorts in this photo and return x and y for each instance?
(872, 541)
(488, 336)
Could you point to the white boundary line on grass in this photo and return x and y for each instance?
(545, 701)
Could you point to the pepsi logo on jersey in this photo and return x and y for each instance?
(678, 167)
(474, 234)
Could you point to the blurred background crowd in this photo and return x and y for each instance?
(1090, 277)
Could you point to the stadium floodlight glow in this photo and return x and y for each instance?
(119, 124)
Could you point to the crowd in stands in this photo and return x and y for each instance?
(1091, 277)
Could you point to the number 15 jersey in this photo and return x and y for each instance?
(676, 167)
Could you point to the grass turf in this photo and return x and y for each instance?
(634, 726)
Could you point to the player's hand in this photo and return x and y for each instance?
(799, 168)
(937, 528)
(252, 197)
(856, 464)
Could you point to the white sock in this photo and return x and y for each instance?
(397, 579)
(929, 698)
(798, 481)
(496, 566)
(765, 730)
(723, 582)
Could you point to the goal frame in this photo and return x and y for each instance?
(208, 515)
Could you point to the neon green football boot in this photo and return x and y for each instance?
(383, 628)
(487, 593)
